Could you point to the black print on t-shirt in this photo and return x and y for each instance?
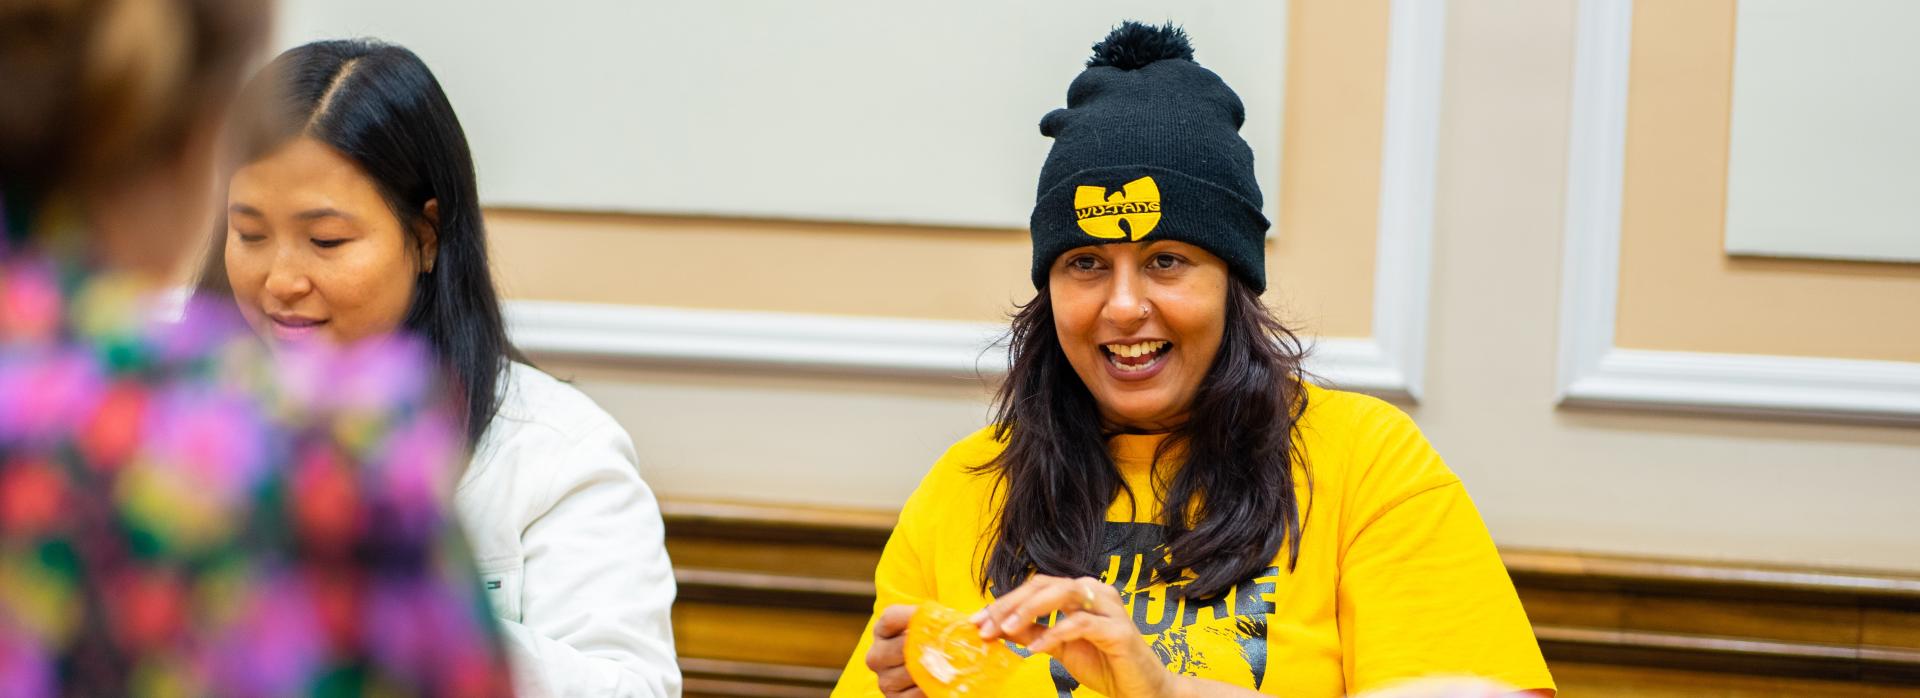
(1220, 637)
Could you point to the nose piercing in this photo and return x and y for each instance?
(1145, 311)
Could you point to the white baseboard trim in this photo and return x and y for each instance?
(754, 339)
(928, 349)
(1792, 386)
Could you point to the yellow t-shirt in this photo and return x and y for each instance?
(1397, 577)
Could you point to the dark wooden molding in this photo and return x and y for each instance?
(1730, 654)
(1583, 571)
(740, 520)
(789, 591)
(1704, 618)
(1558, 569)
(762, 672)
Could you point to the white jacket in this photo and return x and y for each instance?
(570, 546)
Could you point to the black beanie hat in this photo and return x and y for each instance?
(1149, 148)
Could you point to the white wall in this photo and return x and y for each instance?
(1824, 159)
(869, 110)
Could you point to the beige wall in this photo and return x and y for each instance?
(1599, 480)
(834, 268)
(1679, 290)
(1321, 260)
(1543, 477)
(777, 437)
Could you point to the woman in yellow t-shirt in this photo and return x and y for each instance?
(1163, 507)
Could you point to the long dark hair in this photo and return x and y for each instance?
(1228, 509)
(379, 105)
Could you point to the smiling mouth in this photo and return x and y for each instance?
(294, 328)
(296, 323)
(1137, 357)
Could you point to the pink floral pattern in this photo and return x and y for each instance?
(182, 514)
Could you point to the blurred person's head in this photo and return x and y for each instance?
(354, 213)
(109, 118)
(1148, 261)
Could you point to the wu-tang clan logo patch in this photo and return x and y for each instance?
(1127, 214)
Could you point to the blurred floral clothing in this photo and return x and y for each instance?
(182, 514)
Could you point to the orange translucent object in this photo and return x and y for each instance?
(947, 658)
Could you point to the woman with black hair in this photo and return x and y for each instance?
(1163, 505)
(354, 214)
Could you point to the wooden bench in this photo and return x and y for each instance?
(773, 598)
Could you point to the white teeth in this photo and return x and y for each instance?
(1135, 368)
(1136, 350)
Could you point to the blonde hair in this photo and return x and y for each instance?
(100, 88)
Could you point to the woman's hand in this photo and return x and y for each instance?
(1095, 639)
(887, 657)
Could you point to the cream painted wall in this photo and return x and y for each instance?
(788, 438)
(1679, 290)
(1602, 481)
(1321, 256)
(785, 266)
(1543, 477)
(1843, 69)
(1322, 260)
(877, 110)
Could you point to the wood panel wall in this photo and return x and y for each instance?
(773, 598)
